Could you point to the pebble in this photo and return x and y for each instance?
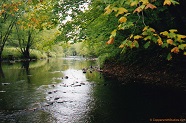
(5, 83)
(66, 77)
(56, 98)
(82, 83)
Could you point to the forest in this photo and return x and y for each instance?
(135, 34)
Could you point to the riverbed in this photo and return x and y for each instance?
(58, 91)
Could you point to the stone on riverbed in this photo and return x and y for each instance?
(56, 98)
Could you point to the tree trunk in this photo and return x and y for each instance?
(26, 51)
(4, 38)
(1, 72)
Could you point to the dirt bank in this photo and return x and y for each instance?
(148, 74)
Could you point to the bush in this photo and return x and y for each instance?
(36, 54)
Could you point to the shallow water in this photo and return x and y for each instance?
(57, 91)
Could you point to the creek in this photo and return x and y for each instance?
(57, 91)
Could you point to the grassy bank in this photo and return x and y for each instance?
(15, 54)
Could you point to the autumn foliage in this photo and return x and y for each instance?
(170, 39)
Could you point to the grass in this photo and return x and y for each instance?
(11, 52)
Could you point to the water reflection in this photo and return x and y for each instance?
(69, 101)
(39, 92)
(1, 72)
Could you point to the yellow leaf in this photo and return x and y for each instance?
(115, 9)
(165, 33)
(121, 10)
(151, 6)
(160, 42)
(145, 28)
(173, 30)
(169, 41)
(122, 19)
(175, 50)
(16, 9)
(121, 46)
(110, 41)
(108, 10)
(108, 7)
(134, 3)
(113, 33)
(126, 14)
(145, 1)
(148, 37)
(131, 36)
(179, 37)
(152, 30)
(139, 9)
(167, 2)
(121, 27)
(137, 37)
(184, 53)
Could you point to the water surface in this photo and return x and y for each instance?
(57, 91)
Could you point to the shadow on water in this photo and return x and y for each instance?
(57, 91)
(137, 103)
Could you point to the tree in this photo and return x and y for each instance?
(8, 16)
(145, 32)
(68, 11)
(35, 17)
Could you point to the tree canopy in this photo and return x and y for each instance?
(117, 26)
(106, 28)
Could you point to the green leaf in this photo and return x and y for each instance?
(169, 56)
(181, 47)
(35, 2)
(113, 33)
(129, 43)
(148, 37)
(146, 45)
(136, 44)
(164, 45)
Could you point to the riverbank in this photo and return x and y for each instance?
(156, 75)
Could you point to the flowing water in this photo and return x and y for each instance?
(57, 91)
